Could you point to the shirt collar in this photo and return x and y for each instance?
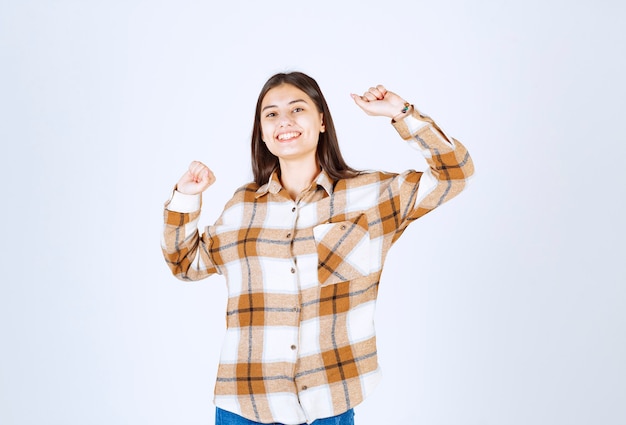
(274, 186)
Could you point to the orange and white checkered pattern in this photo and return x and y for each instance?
(303, 277)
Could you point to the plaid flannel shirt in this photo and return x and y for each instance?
(303, 277)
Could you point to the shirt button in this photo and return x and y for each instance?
(304, 387)
(288, 235)
(293, 270)
(293, 209)
(293, 347)
(343, 227)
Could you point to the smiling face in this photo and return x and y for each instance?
(290, 124)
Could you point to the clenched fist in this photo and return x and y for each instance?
(197, 178)
(378, 101)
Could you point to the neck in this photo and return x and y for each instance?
(297, 177)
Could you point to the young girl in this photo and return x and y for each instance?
(302, 249)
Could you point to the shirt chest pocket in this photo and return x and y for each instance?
(343, 250)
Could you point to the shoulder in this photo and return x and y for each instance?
(365, 178)
(244, 193)
(377, 182)
(250, 187)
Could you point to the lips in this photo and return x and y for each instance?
(287, 136)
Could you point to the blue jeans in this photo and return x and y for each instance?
(223, 417)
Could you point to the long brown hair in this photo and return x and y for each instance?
(328, 154)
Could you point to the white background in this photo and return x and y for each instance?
(505, 306)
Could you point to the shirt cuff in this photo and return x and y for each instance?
(411, 124)
(183, 203)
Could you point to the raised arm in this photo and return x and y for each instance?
(186, 252)
(450, 165)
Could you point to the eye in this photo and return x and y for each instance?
(270, 115)
(298, 109)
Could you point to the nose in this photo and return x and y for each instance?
(285, 120)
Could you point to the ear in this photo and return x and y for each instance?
(323, 127)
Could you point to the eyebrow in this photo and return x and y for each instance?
(290, 103)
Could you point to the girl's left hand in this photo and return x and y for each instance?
(378, 101)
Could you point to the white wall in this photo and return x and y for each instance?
(515, 313)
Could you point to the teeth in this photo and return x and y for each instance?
(285, 136)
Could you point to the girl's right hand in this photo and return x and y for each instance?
(196, 179)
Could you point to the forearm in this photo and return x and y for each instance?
(184, 250)
(450, 165)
